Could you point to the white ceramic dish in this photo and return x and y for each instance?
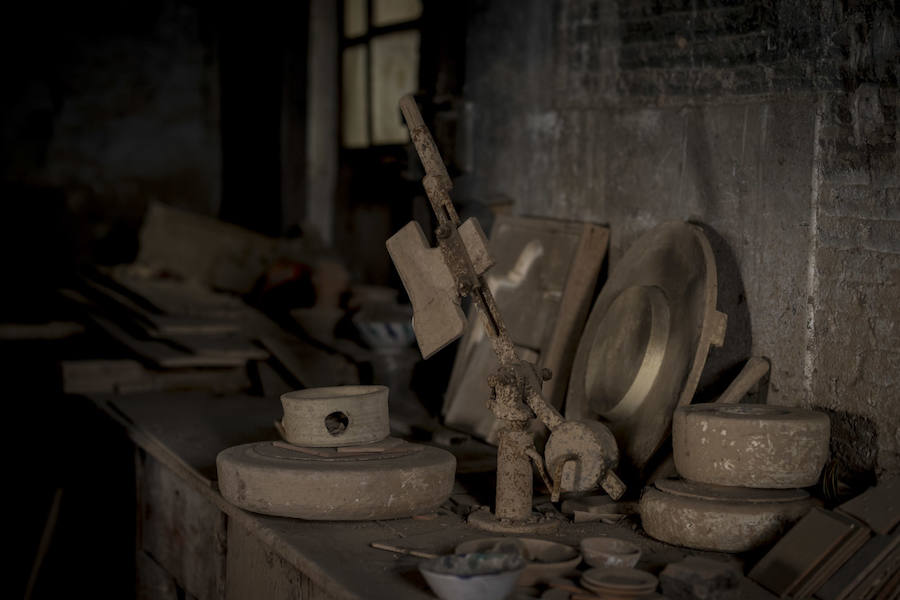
(473, 576)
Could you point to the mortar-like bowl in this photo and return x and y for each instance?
(608, 551)
(475, 576)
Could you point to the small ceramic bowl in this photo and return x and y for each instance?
(545, 559)
(475, 576)
(608, 551)
(385, 326)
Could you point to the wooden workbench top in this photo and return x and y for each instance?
(186, 431)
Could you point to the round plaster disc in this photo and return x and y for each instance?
(750, 445)
(619, 582)
(271, 479)
(537, 524)
(591, 448)
(704, 519)
(647, 338)
(721, 493)
(342, 415)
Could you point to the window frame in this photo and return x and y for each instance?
(345, 42)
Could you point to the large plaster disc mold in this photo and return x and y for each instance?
(647, 338)
(344, 415)
(750, 445)
(270, 479)
(724, 519)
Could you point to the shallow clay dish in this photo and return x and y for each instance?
(544, 559)
(608, 551)
(619, 583)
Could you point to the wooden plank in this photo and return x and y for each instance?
(189, 430)
(311, 366)
(800, 551)
(195, 427)
(192, 246)
(891, 589)
(183, 531)
(219, 345)
(854, 571)
(183, 350)
(176, 297)
(163, 354)
(431, 288)
(150, 319)
(878, 507)
(174, 307)
(131, 377)
(881, 582)
(255, 571)
(53, 330)
(851, 544)
(573, 311)
(98, 376)
(153, 582)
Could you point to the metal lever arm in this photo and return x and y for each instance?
(469, 282)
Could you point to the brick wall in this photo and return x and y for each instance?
(773, 123)
(856, 318)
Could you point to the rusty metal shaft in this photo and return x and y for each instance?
(437, 184)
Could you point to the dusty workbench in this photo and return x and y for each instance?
(189, 534)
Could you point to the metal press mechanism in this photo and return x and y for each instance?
(579, 455)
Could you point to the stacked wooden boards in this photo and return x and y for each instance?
(850, 553)
(186, 326)
(174, 326)
(810, 553)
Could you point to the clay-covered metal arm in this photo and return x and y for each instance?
(437, 186)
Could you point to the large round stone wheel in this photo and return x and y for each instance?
(270, 478)
(750, 445)
(724, 519)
